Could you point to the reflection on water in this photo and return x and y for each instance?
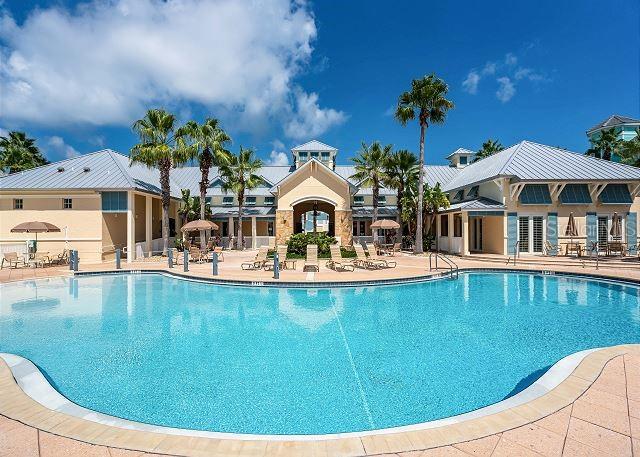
(310, 315)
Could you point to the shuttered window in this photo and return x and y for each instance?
(616, 193)
(575, 194)
(523, 233)
(537, 234)
(535, 194)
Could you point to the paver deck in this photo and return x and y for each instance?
(595, 411)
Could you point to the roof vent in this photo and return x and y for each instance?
(60, 169)
(86, 169)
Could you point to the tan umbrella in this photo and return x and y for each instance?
(616, 226)
(571, 230)
(35, 227)
(385, 224)
(200, 224)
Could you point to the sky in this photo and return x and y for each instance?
(76, 75)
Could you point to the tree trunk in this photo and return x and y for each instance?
(418, 245)
(165, 167)
(239, 242)
(205, 163)
(399, 196)
(376, 192)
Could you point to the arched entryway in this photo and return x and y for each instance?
(314, 215)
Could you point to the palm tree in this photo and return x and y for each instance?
(434, 199)
(207, 142)
(402, 171)
(371, 169)
(605, 145)
(19, 153)
(238, 175)
(630, 151)
(488, 148)
(427, 101)
(158, 148)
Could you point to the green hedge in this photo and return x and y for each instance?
(298, 243)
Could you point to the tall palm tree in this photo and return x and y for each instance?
(371, 169)
(402, 171)
(158, 148)
(427, 101)
(207, 143)
(434, 199)
(630, 150)
(238, 175)
(488, 148)
(19, 153)
(605, 145)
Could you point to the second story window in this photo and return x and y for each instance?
(473, 192)
(463, 160)
(382, 200)
(458, 196)
(444, 225)
(302, 155)
(18, 203)
(251, 201)
(67, 203)
(325, 156)
(227, 201)
(358, 200)
(269, 200)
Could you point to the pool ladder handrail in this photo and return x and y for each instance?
(594, 247)
(516, 253)
(453, 267)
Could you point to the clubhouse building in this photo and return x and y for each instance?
(518, 198)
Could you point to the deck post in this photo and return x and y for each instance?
(185, 260)
(214, 264)
(118, 256)
(170, 258)
(276, 267)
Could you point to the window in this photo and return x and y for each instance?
(537, 233)
(315, 154)
(269, 200)
(603, 229)
(18, 203)
(358, 200)
(523, 236)
(227, 201)
(325, 156)
(473, 192)
(67, 203)
(444, 225)
(463, 160)
(251, 201)
(457, 225)
(459, 195)
(531, 234)
(363, 228)
(382, 200)
(114, 202)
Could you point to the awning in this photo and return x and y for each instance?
(219, 212)
(480, 205)
(575, 194)
(616, 194)
(535, 194)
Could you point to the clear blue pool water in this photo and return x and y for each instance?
(166, 351)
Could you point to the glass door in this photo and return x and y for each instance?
(531, 234)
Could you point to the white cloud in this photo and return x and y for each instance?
(309, 119)
(470, 84)
(105, 62)
(510, 59)
(57, 144)
(506, 89)
(528, 73)
(278, 158)
(3, 132)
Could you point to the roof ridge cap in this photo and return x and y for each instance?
(126, 174)
(513, 154)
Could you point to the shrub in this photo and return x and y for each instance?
(298, 243)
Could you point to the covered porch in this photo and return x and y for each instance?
(258, 225)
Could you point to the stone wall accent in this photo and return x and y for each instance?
(284, 225)
(344, 226)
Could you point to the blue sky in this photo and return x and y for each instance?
(76, 76)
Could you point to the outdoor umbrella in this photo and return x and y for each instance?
(200, 224)
(572, 230)
(385, 224)
(35, 227)
(616, 227)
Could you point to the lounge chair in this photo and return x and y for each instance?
(373, 257)
(551, 249)
(363, 261)
(337, 263)
(397, 247)
(282, 258)
(312, 258)
(42, 259)
(13, 259)
(196, 255)
(62, 258)
(259, 261)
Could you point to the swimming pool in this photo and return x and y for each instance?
(162, 350)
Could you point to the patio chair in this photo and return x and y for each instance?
(62, 258)
(337, 263)
(259, 261)
(616, 247)
(13, 259)
(373, 257)
(287, 264)
(42, 259)
(362, 261)
(312, 258)
(397, 247)
(551, 249)
(196, 255)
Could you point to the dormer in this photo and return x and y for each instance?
(314, 149)
(461, 157)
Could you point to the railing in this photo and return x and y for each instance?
(451, 265)
(592, 249)
(516, 253)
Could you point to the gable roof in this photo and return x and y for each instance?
(461, 151)
(314, 145)
(528, 161)
(307, 164)
(613, 121)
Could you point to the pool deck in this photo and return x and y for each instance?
(594, 411)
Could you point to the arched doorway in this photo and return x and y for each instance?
(314, 215)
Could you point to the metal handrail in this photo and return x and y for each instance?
(594, 247)
(453, 267)
(516, 252)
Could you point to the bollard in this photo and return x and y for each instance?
(170, 257)
(276, 267)
(118, 258)
(214, 263)
(76, 260)
(185, 260)
(71, 259)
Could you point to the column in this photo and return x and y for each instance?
(465, 233)
(437, 238)
(131, 227)
(254, 233)
(451, 230)
(148, 221)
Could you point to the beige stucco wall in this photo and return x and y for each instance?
(83, 221)
(493, 234)
(314, 182)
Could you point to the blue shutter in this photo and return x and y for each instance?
(552, 228)
(512, 231)
(632, 232)
(592, 229)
